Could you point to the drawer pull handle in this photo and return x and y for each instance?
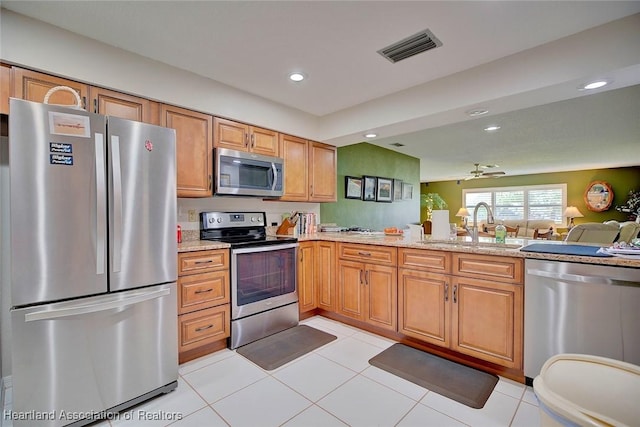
(446, 291)
(204, 262)
(204, 328)
(455, 294)
(203, 291)
(364, 253)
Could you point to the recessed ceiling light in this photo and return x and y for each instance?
(477, 112)
(370, 135)
(492, 128)
(297, 77)
(594, 85)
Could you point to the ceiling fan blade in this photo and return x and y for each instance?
(496, 173)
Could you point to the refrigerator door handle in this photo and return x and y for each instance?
(101, 209)
(117, 203)
(83, 308)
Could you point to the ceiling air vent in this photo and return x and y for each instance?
(413, 45)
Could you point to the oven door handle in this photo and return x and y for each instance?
(265, 248)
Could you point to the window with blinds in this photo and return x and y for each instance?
(535, 202)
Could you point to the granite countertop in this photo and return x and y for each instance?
(486, 246)
(200, 245)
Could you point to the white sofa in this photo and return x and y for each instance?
(629, 230)
(527, 228)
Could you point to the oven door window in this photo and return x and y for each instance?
(263, 275)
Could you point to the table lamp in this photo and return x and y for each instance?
(572, 212)
(464, 213)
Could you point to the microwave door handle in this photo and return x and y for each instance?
(275, 176)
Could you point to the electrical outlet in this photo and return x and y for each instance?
(192, 215)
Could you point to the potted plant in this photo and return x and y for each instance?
(429, 202)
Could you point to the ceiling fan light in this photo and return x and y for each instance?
(492, 128)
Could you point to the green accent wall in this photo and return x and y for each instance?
(367, 159)
(622, 180)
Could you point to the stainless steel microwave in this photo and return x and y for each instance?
(246, 174)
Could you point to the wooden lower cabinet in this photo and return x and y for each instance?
(203, 327)
(316, 276)
(204, 313)
(306, 277)
(368, 291)
(325, 254)
(440, 305)
(488, 320)
(424, 309)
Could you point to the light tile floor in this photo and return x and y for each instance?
(332, 386)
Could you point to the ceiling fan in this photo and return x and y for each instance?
(479, 173)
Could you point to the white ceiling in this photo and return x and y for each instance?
(500, 55)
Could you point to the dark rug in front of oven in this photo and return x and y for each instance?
(461, 383)
(275, 350)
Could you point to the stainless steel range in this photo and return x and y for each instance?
(264, 289)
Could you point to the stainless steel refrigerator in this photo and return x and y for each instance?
(93, 263)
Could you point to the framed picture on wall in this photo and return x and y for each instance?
(352, 187)
(384, 190)
(397, 189)
(407, 191)
(369, 188)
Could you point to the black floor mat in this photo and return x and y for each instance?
(463, 384)
(275, 350)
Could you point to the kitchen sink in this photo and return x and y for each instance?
(471, 245)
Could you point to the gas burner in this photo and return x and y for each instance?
(359, 230)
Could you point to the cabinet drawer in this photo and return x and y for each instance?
(198, 291)
(368, 253)
(420, 259)
(203, 327)
(488, 267)
(202, 261)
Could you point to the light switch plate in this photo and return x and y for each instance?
(193, 217)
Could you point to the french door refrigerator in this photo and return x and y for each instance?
(93, 263)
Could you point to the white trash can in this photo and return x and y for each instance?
(583, 390)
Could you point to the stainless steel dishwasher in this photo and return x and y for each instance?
(580, 308)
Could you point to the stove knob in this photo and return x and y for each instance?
(219, 220)
(211, 220)
(253, 219)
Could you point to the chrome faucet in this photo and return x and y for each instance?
(474, 229)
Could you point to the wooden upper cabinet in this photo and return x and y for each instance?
(242, 137)
(194, 149)
(322, 172)
(33, 86)
(294, 151)
(111, 103)
(5, 88)
(263, 141)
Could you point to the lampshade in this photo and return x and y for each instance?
(462, 212)
(572, 212)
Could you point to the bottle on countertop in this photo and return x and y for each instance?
(501, 233)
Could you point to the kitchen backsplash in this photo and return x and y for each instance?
(273, 209)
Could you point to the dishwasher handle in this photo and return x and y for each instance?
(579, 278)
(95, 307)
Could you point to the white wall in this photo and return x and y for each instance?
(37, 45)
